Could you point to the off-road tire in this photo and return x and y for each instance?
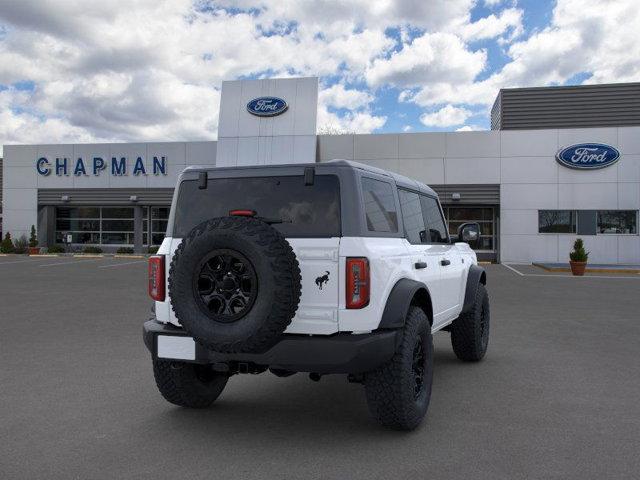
(187, 384)
(278, 284)
(390, 389)
(470, 331)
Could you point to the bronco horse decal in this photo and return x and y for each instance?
(322, 280)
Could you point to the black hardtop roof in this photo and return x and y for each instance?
(400, 180)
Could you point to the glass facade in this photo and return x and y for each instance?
(109, 225)
(588, 222)
(556, 221)
(485, 216)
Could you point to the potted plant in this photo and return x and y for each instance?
(21, 245)
(33, 242)
(7, 244)
(578, 258)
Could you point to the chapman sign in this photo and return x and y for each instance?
(588, 156)
(267, 106)
(96, 165)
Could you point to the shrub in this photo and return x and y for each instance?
(92, 250)
(33, 238)
(7, 244)
(21, 244)
(55, 249)
(579, 254)
(153, 250)
(124, 250)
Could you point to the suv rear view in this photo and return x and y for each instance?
(308, 268)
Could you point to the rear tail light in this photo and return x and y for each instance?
(156, 277)
(358, 282)
(242, 213)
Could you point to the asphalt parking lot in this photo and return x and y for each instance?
(558, 395)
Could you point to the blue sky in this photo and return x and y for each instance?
(77, 71)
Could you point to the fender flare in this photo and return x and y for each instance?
(399, 301)
(476, 276)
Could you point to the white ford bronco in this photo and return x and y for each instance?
(324, 268)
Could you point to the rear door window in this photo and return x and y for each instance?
(412, 217)
(305, 210)
(437, 232)
(379, 206)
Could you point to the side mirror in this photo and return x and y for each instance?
(469, 232)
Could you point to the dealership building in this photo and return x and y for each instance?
(559, 162)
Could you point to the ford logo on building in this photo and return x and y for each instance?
(267, 106)
(588, 156)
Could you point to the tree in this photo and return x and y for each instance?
(7, 244)
(33, 238)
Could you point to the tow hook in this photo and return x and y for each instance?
(315, 376)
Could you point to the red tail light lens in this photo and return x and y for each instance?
(358, 282)
(156, 278)
(242, 213)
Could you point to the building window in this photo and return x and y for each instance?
(380, 206)
(95, 225)
(556, 221)
(484, 216)
(618, 221)
(159, 220)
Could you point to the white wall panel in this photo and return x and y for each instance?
(519, 222)
(629, 249)
(629, 196)
(570, 136)
(472, 170)
(529, 170)
(529, 143)
(375, 146)
(587, 196)
(528, 196)
(421, 145)
(200, 153)
(473, 144)
(629, 168)
(331, 147)
(529, 248)
(425, 170)
(19, 177)
(629, 140)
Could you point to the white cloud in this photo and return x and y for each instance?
(407, 128)
(432, 57)
(469, 128)
(447, 116)
(338, 96)
(509, 20)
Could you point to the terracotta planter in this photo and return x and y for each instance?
(578, 268)
(34, 250)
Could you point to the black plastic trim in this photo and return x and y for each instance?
(476, 276)
(399, 301)
(338, 353)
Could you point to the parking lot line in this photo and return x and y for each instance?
(21, 261)
(565, 276)
(69, 263)
(121, 264)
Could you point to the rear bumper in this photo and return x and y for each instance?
(339, 353)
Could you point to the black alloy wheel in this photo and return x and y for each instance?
(225, 285)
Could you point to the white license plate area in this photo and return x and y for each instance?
(177, 348)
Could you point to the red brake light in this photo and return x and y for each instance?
(242, 213)
(156, 277)
(358, 282)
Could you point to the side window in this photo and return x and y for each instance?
(437, 232)
(412, 216)
(379, 206)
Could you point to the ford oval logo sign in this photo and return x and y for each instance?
(588, 156)
(267, 106)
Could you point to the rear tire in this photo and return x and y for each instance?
(470, 331)
(399, 391)
(187, 384)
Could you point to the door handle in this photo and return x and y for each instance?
(420, 265)
(444, 262)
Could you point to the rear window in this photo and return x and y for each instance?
(306, 210)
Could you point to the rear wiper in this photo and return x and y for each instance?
(271, 221)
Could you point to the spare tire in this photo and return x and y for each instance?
(234, 284)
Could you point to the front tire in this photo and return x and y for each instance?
(399, 391)
(470, 331)
(187, 384)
